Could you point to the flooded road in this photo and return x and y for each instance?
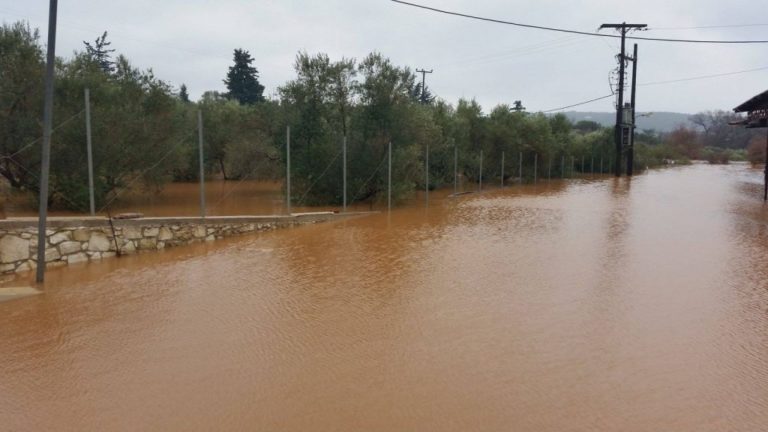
(577, 306)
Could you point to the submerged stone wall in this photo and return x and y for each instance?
(74, 240)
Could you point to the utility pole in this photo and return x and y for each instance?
(45, 162)
(424, 73)
(631, 147)
(765, 172)
(623, 28)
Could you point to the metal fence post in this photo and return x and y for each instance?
(481, 170)
(573, 166)
(202, 171)
(535, 167)
(426, 175)
(389, 179)
(288, 168)
(549, 169)
(344, 168)
(562, 166)
(455, 168)
(502, 169)
(89, 146)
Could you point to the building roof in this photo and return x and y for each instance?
(759, 102)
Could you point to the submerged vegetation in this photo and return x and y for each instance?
(145, 132)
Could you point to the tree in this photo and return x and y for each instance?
(145, 133)
(318, 104)
(426, 95)
(587, 126)
(716, 132)
(756, 150)
(222, 120)
(685, 142)
(137, 129)
(134, 123)
(99, 53)
(183, 95)
(21, 82)
(243, 80)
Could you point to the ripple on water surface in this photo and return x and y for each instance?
(588, 305)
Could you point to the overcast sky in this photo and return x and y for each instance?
(191, 42)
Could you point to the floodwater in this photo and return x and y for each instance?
(222, 198)
(609, 305)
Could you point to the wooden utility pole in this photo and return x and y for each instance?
(623, 28)
(631, 147)
(424, 73)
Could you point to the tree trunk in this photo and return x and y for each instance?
(223, 170)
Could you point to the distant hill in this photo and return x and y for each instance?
(660, 121)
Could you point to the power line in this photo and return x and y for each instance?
(579, 103)
(703, 76)
(516, 52)
(662, 82)
(561, 30)
(709, 27)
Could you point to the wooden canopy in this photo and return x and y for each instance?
(757, 117)
(757, 111)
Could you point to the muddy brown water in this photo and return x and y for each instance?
(579, 306)
(222, 198)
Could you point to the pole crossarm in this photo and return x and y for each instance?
(424, 73)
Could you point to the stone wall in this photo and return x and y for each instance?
(74, 240)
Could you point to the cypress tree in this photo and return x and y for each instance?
(243, 80)
(183, 95)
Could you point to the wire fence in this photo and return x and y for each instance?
(443, 167)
